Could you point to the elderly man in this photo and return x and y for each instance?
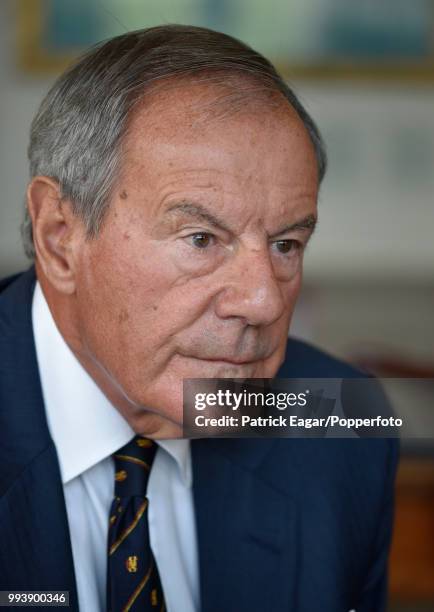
(173, 192)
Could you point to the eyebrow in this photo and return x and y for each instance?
(197, 211)
(306, 224)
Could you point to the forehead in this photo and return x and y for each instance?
(201, 134)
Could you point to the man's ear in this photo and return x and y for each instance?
(57, 232)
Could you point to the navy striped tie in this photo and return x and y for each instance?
(133, 582)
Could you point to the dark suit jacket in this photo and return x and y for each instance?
(299, 525)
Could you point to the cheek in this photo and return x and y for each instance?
(294, 290)
(115, 294)
(133, 308)
(290, 291)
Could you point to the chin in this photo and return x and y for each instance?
(164, 398)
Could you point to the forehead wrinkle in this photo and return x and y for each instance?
(174, 178)
(174, 193)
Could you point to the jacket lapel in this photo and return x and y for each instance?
(35, 548)
(246, 529)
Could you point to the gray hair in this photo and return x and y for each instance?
(77, 133)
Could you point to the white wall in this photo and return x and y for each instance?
(377, 203)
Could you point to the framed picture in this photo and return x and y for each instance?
(375, 39)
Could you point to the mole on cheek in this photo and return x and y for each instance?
(123, 195)
(123, 316)
(154, 307)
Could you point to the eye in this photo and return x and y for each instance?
(287, 246)
(201, 240)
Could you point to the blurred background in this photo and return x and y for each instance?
(365, 71)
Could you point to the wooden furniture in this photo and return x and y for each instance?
(412, 554)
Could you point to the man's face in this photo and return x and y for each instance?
(198, 265)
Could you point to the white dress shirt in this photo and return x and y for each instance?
(87, 430)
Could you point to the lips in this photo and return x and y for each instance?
(236, 361)
(251, 358)
(230, 361)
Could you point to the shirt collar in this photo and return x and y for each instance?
(85, 427)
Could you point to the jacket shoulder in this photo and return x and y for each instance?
(16, 294)
(8, 280)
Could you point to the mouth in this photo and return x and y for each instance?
(230, 361)
(226, 361)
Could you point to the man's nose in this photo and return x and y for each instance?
(251, 290)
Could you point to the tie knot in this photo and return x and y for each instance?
(133, 464)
